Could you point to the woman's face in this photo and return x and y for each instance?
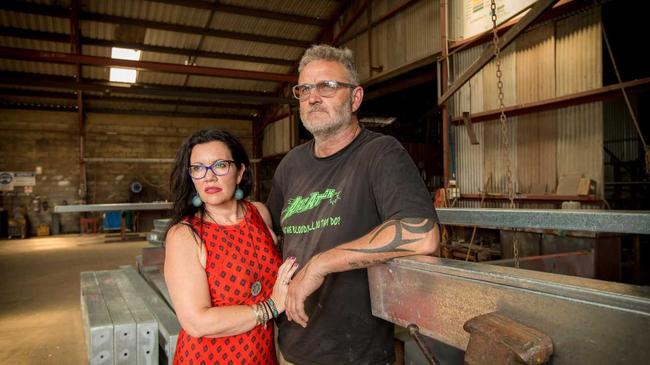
(213, 189)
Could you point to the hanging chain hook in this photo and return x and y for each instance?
(504, 127)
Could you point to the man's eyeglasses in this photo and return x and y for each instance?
(219, 168)
(324, 88)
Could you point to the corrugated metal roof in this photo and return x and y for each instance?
(64, 3)
(94, 73)
(97, 30)
(238, 65)
(118, 105)
(316, 9)
(97, 51)
(39, 101)
(34, 44)
(160, 78)
(151, 10)
(34, 22)
(248, 48)
(36, 67)
(162, 57)
(266, 27)
(232, 84)
(157, 37)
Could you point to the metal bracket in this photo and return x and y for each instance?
(497, 339)
(467, 118)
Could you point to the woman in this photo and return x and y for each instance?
(221, 263)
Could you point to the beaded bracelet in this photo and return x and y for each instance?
(274, 309)
(267, 312)
(258, 314)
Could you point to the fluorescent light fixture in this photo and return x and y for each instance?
(118, 74)
(378, 121)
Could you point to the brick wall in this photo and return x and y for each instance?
(51, 140)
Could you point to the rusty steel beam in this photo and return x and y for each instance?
(68, 83)
(240, 10)
(56, 11)
(121, 99)
(599, 94)
(74, 109)
(69, 58)
(590, 321)
(535, 12)
(65, 38)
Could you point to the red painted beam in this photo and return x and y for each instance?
(69, 58)
(599, 94)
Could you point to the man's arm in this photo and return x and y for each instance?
(393, 238)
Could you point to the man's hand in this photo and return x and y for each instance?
(303, 284)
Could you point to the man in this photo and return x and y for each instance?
(348, 199)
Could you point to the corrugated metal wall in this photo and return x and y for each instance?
(277, 137)
(407, 37)
(556, 58)
(621, 137)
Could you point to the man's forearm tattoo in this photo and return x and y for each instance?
(364, 263)
(411, 225)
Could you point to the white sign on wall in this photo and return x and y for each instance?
(6, 181)
(25, 178)
(10, 179)
(478, 18)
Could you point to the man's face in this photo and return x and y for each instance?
(323, 116)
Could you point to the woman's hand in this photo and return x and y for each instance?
(285, 272)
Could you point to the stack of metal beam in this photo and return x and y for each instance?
(157, 235)
(125, 320)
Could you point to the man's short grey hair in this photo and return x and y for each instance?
(324, 52)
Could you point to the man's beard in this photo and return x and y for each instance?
(342, 117)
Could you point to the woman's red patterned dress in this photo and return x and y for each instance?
(237, 256)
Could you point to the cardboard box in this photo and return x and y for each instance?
(43, 230)
(586, 186)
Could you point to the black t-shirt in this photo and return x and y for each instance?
(321, 203)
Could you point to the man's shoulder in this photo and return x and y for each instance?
(376, 142)
(295, 156)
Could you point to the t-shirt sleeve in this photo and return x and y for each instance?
(397, 186)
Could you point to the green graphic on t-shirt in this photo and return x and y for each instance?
(299, 204)
(317, 224)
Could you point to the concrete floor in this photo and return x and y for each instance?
(40, 317)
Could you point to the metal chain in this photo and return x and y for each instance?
(504, 126)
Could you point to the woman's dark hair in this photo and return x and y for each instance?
(180, 182)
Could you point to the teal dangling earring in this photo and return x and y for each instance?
(196, 201)
(239, 193)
